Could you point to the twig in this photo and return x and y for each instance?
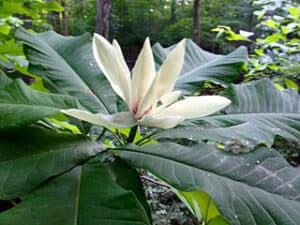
(169, 213)
(154, 181)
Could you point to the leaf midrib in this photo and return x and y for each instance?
(68, 65)
(254, 113)
(77, 197)
(209, 171)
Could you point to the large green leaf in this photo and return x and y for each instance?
(67, 66)
(258, 112)
(20, 105)
(255, 188)
(30, 155)
(4, 79)
(129, 179)
(87, 195)
(200, 65)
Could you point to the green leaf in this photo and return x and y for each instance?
(295, 12)
(259, 51)
(291, 84)
(279, 86)
(88, 194)
(4, 79)
(255, 188)
(67, 66)
(10, 48)
(271, 23)
(51, 6)
(4, 29)
(197, 202)
(258, 112)
(31, 155)
(200, 65)
(20, 105)
(9, 8)
(274, 38)
(129, 179)
(217, 221)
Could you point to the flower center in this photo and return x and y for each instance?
(134, 110)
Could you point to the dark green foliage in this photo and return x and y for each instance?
(247, 189)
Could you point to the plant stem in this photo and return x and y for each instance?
(169, 213)
(101, 134)
(154, 181)
(140, 142)
(132, 134)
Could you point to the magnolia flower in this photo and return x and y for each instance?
(148, 94)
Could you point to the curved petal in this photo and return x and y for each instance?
(111, 62)
(193, 107)
(165, 80)
(166, 100)
(118, 120)
(170, 70)
(170, 97)
(143, 73)
(166, 122)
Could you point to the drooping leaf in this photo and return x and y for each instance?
(88, 194)
(258, 112)
(20, 105)
(200, 65)
(200, 204)
(67, 66)
(129, 179)
(254, 188)
(29, 156)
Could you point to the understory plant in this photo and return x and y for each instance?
(276, 49)
(70, 150)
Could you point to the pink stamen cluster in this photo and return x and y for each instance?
(134, 110)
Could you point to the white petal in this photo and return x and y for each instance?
(143, 73)
(193, 107)
(165, 80)
(120, 58)
(170, 97)
(166, 122)
(170, 69)
(166, 100)
(118, 120)
(111, 62)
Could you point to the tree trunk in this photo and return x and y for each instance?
(53, 19)
(102, 19)
(196, 35)
(173, 11)
(65, 20)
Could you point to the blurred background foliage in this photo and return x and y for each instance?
(166, 21)
(273, 47)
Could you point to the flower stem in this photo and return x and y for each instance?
(101, 134)
(132, 134)
(146, 139)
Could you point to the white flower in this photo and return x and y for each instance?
(149, 94)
